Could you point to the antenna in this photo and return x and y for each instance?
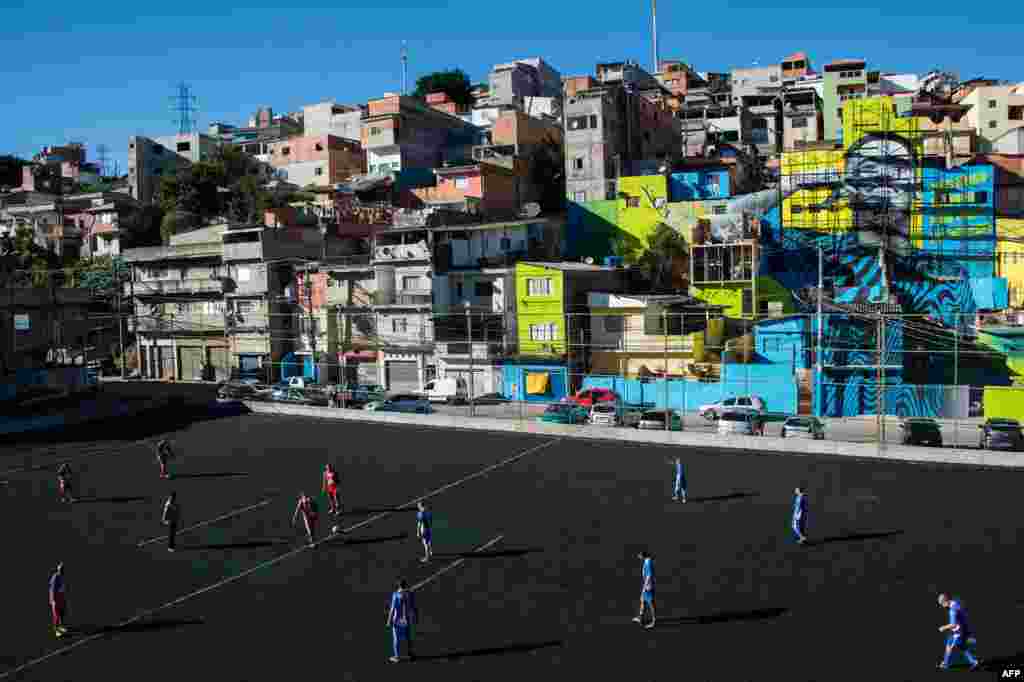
(185, 105)
(405, 68)
(654, 32)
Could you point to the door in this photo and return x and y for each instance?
(191, 363)
(219, 360)
(166, 362)
(403, 376)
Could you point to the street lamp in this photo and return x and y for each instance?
(469, 338)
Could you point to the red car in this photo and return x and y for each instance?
(588, 396)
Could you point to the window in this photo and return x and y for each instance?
(613, 324)
(579, 197)
(632, 202)
(414, 283)
(461, 182)
(797, 209)
(993, 124)
(799, 122)
(399, 325)
(483, 289)
(981, 197)
(244, 274)
(458, 290)
(577, 163)
(184, 146)
(183, 308)
(245, 307)
(593, 121)
(578, 122)
(992, 104)
(319, 147)
(719, 210)
(506, 243)
(731, 136)
(538, 286)
(839, 113)
(374, 131)
(773, 79)
(1016, 113)
(542, 332)
(318, 171)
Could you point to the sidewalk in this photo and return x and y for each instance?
(747, 444)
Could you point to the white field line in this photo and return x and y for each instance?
(456, 564)
(230, 514)
(265, 564)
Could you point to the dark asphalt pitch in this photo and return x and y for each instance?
(736, 599)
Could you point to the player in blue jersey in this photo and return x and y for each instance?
(961, 636)
(679, 491)
(800, 516)
(424, 521)
(401, 618)
(646, 589)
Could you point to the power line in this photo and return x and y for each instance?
(185, 105)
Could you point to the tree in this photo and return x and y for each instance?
(665, 258)
(454, 83)
(10, 170)
(102, 273)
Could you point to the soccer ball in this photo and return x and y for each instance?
(336, 529)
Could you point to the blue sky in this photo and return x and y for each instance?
(99, 73)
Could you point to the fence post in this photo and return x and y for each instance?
(956, 378)
(664, 326)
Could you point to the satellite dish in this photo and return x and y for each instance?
(589, 260)
(531, 210)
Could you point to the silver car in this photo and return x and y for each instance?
(740, 422)
(803, 427)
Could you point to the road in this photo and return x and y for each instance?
(556, 586)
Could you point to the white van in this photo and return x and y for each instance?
(447, 390)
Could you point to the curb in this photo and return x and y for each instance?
(747, 444)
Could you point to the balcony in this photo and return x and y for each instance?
(173, 287)
(243, 251)
(401, 252)
(481, 351)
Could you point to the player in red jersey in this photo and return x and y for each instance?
(331, 490)
(306, 507)
(65, 483)
(58, 601)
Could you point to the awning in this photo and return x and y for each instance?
(537, 383)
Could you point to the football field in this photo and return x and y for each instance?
(535, 570)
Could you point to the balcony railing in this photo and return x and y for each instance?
(175, 287)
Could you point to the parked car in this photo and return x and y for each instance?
(657, 420)
(565, 413)
(713, 411)
(298, 396)
(281, 388)
(803, 427)
(230, 393)
(451, 390)
(401, 402)
(609, 414)
(740, 422)
(360, 394)
(490, 399)
(1001, 434)
(921, 431)
(589, 396)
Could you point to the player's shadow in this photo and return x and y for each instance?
(148, 626)
(365, 511)
(722, 498)
(110, 500)
(252, 544)
(1000, 662)
(489, 554)
(210, 474)
(724, 617)
(343, 540)
(490, 651)
(854, 537)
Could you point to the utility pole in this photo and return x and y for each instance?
(120, 317)
(664, 324)
(819, 383)
(654, 32)
(881, 378)
(469, 336)
(956, 377)
(312, 331)
(135, 320)
(405, 68)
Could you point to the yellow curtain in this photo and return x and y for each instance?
(537, 383)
